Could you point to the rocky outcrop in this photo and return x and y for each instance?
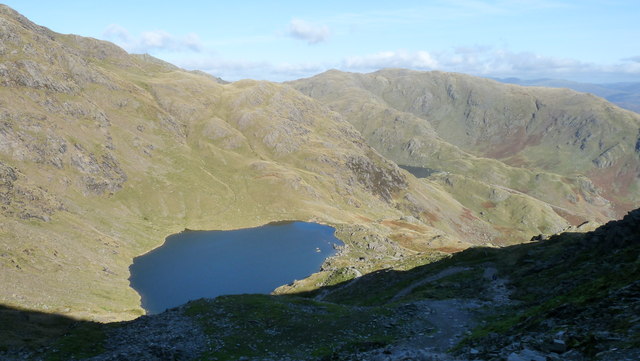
(170, 335)
(381, 181)
(23, 200)
(588, 313)
(99, 175)
(608, 158)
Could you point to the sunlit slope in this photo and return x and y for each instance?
(103, 154)
(575, 152)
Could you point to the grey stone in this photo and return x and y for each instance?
(526, 355)
(558, 346)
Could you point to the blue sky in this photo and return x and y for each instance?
(582, 40)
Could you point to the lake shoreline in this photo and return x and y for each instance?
(161, 282)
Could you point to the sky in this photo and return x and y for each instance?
(594, 41)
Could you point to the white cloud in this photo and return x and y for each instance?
(633, 58)
(156, 39)
(188, 51)
(117, 33)
(476, 60)
(391, 59)
(161, 40)
(311, 33)
(233, 70)
(494, 62)
(501, 62)
(150, 41)
(497, 62)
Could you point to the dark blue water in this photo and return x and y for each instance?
(419, 172)
(196, 264)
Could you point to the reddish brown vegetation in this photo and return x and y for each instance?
(488, 205)
(615, 182)
(513, 144)
(466, 214)
(572, 218)
(431, 217)
(410, 242)
(400, 224)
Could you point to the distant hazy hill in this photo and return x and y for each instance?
(625, 95)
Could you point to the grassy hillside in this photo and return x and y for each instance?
(573, 152)
(103, 154)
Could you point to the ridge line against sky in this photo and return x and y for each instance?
(580, 40)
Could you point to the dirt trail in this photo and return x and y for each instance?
(498, 286)
(438, 325)
(447, 272)
(441, 324)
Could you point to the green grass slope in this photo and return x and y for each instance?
(103, 154)
(573, 152)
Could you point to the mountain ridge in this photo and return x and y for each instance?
(519, 133)
(114, 152)
(624, 94)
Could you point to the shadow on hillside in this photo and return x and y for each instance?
(585, 271)
(583, 256)
(380, 287)
(25, 332)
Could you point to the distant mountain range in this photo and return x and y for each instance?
(625, 95)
